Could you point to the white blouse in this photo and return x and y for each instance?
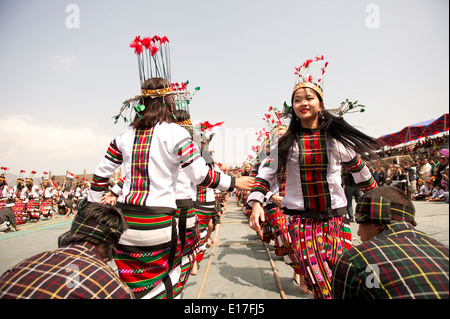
(337, 155)
(169, 149)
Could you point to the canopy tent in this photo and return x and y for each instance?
(415, 131)
(438, 126)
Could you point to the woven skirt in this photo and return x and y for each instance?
(317, 245)
(46, 208)
(266, 228)
(33, 209)
(20, 212)
(282, 238)
(148, 256)
(189, 234)
(204, 212)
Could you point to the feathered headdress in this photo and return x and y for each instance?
(310, 74)
(274, 119)
(2, 175)
(208, 130)
(347, 107)
(262, 135)
(45, 176)
(20, 177)
(30, 177)
(183, 98)
(153, 56)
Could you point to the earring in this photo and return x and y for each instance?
(171, 108)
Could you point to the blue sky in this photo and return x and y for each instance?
(61, 86)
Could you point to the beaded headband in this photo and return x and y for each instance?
(310, 85)
(156, 93)
(186, 122)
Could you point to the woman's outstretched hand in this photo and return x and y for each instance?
(256, 216)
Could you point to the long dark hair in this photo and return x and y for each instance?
(334, 127)
(157, 110)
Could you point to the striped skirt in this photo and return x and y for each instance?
(46, 208)
(204, 212)
(148, 256)
(20, 212)
(33, 209)
(282, 238)
(317, 244)
(266, 227)
(189, 235)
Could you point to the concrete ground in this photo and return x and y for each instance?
(239, 267)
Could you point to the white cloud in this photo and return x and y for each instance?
(61, 61)
(29, 145)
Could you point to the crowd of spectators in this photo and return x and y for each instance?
(421, 148)
(421, 170)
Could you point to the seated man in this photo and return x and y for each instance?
(438, 194)
(7, 219)
(425, 191)
(395, 260)
(79, 268)
(420, 192)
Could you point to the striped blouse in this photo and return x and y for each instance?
(313, 176)
(152, 159)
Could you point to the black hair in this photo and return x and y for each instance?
(158, 109)
(106, 215)
(334, 127)
(183, 115)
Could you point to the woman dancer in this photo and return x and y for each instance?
(46, 207)
(205, 200)
(152, 150)
(311, 153)
(188, 224)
